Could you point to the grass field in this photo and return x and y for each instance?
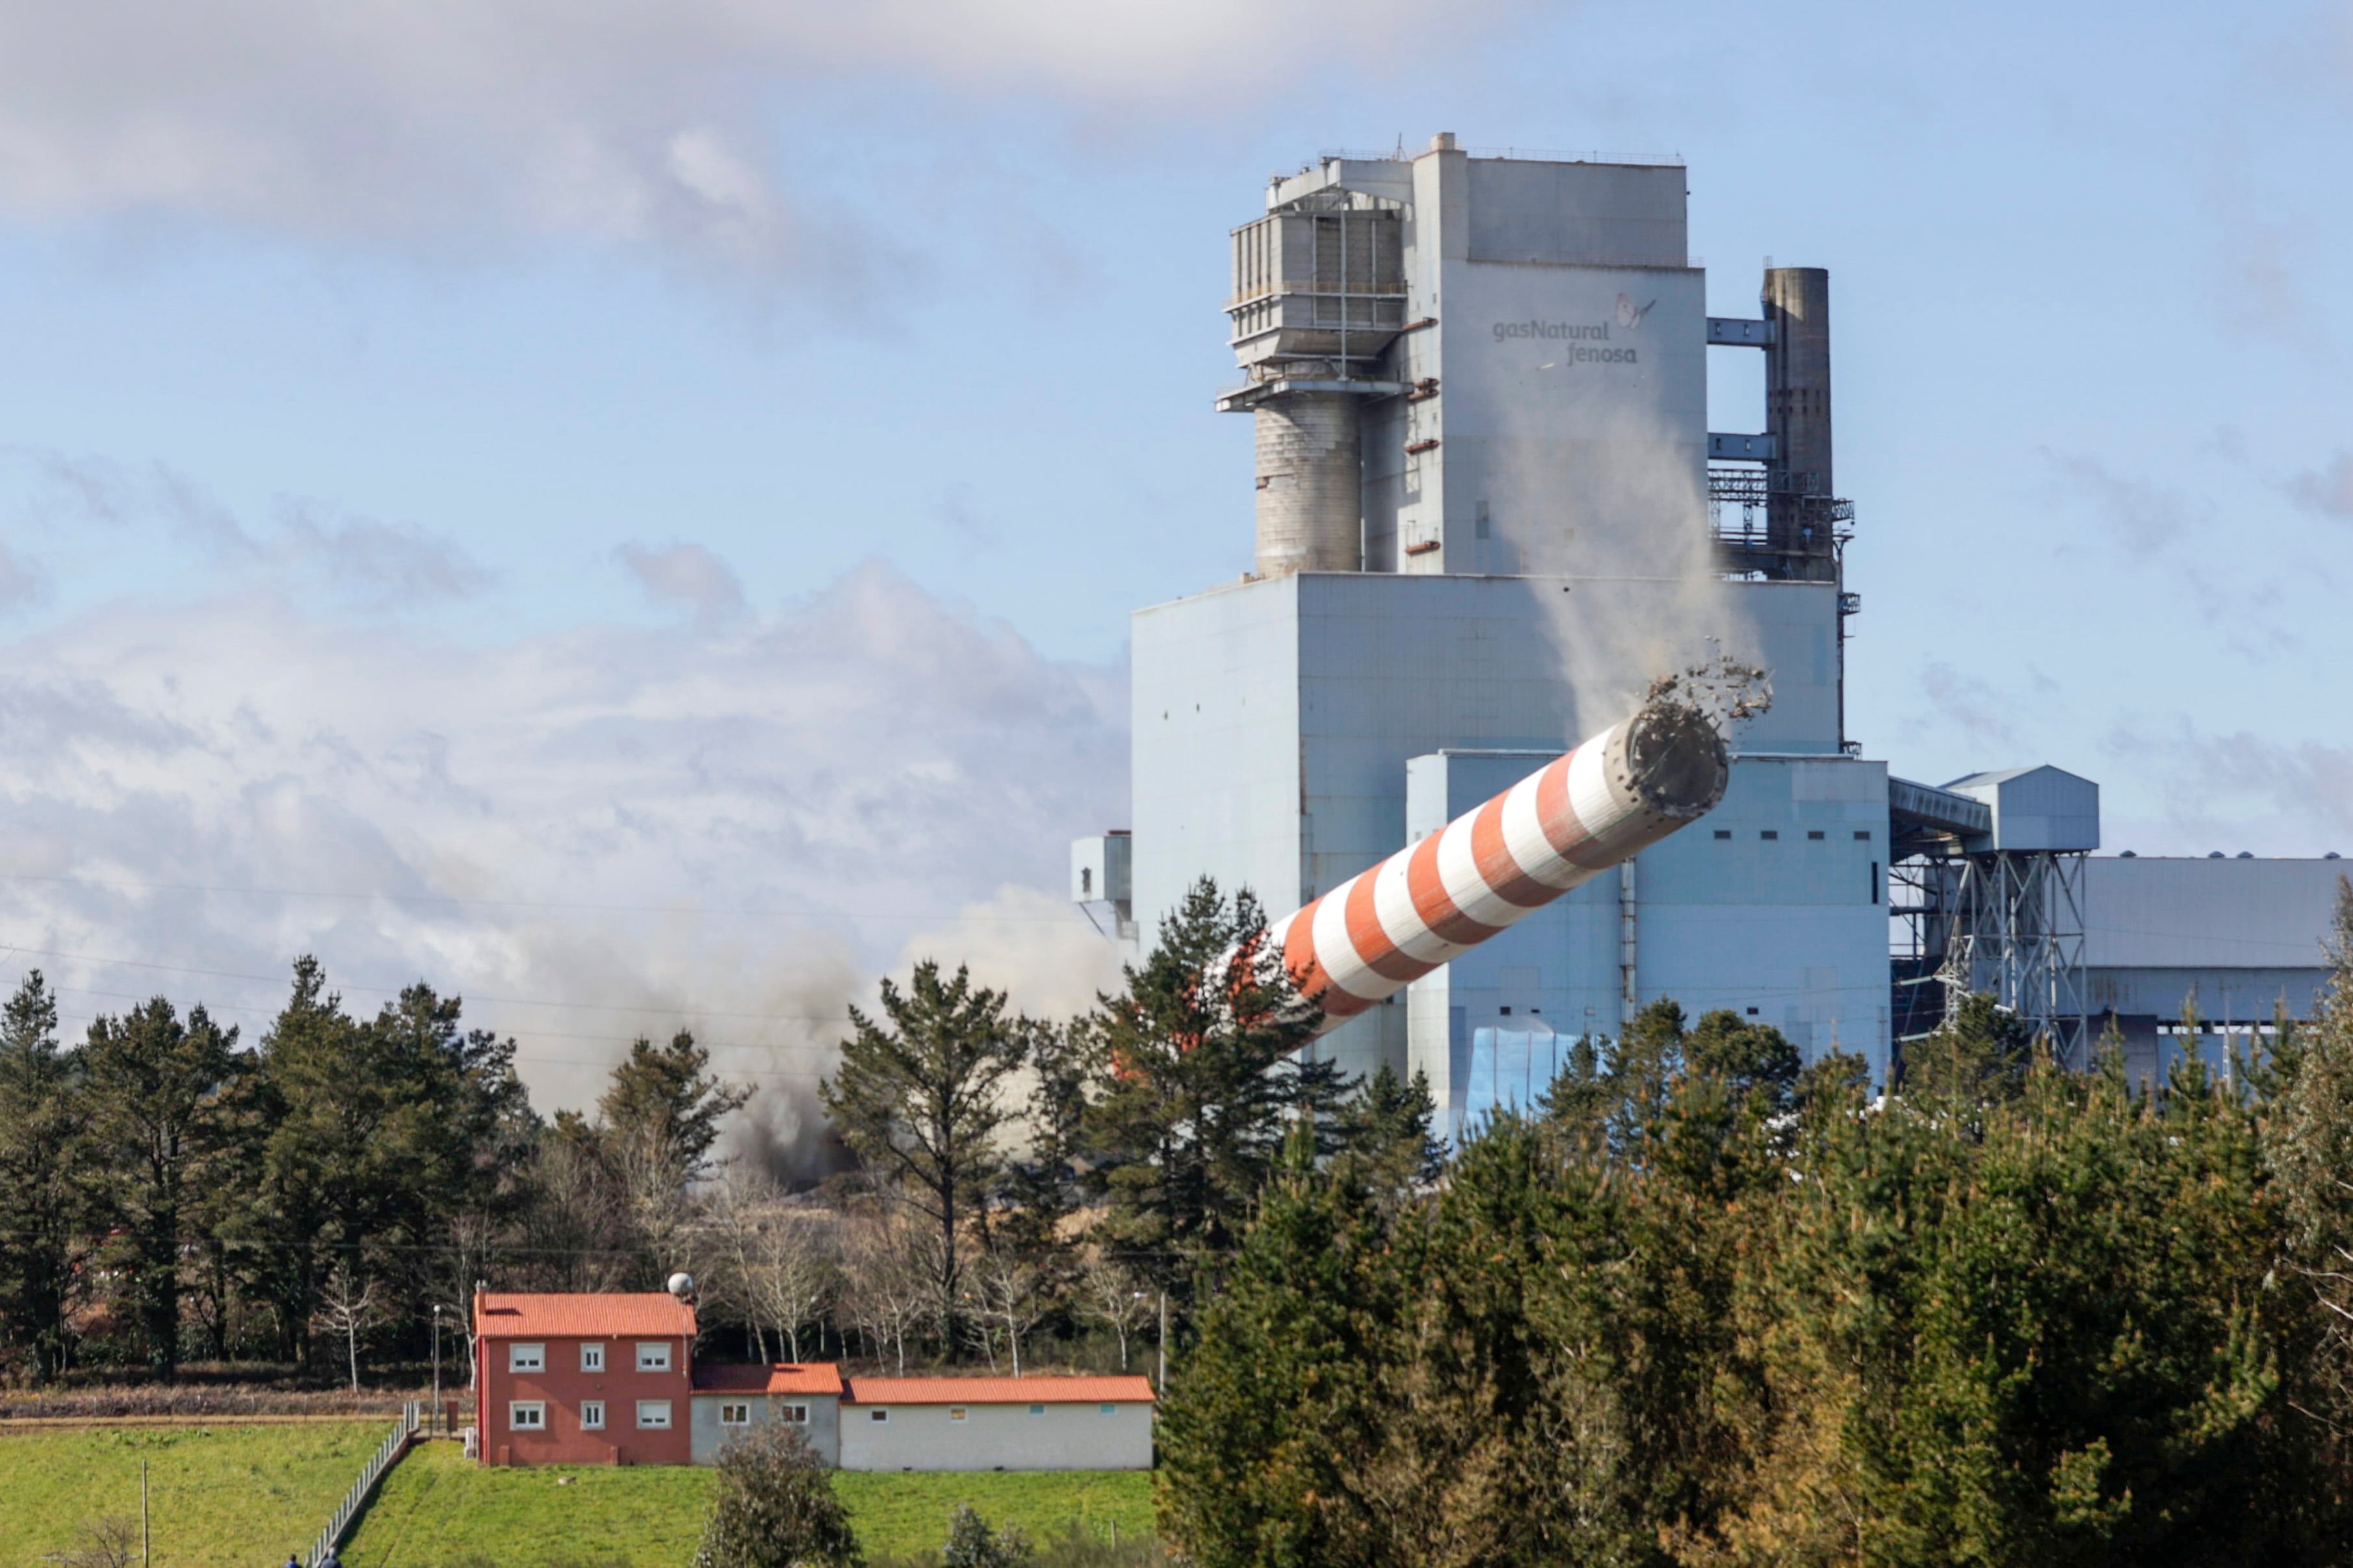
(437, 1509)
(220, 1496)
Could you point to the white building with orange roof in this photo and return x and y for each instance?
(997, 1424)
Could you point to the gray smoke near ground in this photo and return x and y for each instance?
(731, 825)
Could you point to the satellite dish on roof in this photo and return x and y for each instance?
(682, 1286)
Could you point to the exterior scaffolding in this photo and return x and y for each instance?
(2014, 931)
(1972, 917)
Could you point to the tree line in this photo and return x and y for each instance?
(170, 1192)
(1704, 1306)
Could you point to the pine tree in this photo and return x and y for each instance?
(920, 1099)
(1387, 1124)
(2308, 1150)
(661, 1101)
(160, 1092)
(1194, 1064)
(1264, 1435)
(43, 1177)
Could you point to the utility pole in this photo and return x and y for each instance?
(146, 1541)
(437, 1365)
(1161, 1387)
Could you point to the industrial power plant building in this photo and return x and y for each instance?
(1490, 513)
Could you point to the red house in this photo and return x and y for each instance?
(581, 1379)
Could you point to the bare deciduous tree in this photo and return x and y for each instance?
(108, 1542)
(1006, 1296)
(1115, 1295)
(891, 1277)
(347, 1305)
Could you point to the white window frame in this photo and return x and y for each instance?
(653, 1414)
(790, 1414)
(878, 1416)
(592, 1416)
(736, 1413)
(536, 1410)
(526, 1358)
(592, 1358)
(653, 1355)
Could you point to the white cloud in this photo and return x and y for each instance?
(368, 564)
(437, 120)
(687, 576)
(590, 833)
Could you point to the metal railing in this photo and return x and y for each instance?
(387, 1455)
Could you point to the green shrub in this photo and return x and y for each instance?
(972, 1544)
(774, 1507)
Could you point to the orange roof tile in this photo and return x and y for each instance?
(999, 1391)
(583, 1316)
(785, 1377)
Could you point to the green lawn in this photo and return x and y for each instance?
(219, 1496)
(908, 1511)
(435, 1510)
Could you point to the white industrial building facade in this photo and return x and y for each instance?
(1487, 518)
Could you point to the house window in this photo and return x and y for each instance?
(1724, 832)
(526, 1358)
(592, 1416)
(1862, 835)
(592, 1358)
(1769, 833)
(653, 1414)
(791, 1414)
(654, 1356)
(735, 1416)
(1813, 833)
(527, 1415)
(878, 1416)
(1037, 1410)
(955, 1413)
(1111, 1410)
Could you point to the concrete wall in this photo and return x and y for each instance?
(1789, 930)
(1272, 721)
(1580, 447)
(997, 1438)
(823, 1430)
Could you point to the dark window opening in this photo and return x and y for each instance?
(1768, 832)
(1724, 832)
(1813, 833)
(1875, 881)
(1862, 835)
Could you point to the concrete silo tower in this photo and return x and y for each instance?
(1318, 295)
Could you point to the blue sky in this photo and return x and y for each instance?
(581, 394)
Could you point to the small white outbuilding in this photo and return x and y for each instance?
(997, 1424)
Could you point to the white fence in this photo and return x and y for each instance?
(388, 1453)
